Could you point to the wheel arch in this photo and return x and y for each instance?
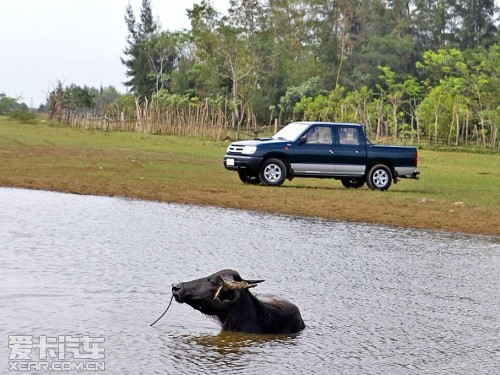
(279, 155)
(388, 163)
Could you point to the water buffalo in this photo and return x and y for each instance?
(225, 295)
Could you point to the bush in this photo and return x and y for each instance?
(24, 117)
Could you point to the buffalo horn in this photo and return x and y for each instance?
(240, 285)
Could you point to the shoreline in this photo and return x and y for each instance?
(430, 228)
(456, 192)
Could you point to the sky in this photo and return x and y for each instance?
(72, 41)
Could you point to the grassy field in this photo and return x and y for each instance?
(458, 192)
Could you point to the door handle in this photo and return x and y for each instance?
(331, 151)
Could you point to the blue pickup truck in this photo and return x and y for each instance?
(321, 150)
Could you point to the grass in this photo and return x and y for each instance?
(189, 170)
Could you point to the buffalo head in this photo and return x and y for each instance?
(214, 294)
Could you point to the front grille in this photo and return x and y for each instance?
(235, 149)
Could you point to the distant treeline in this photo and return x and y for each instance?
(9, 104)
(412, 71)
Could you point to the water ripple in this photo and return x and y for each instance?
(375, 300)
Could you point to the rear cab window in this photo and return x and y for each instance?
(348, 135)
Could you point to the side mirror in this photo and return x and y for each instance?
(302, 140)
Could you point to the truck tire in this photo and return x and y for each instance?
(272, 172)
(379, 177)
(352, 182)
(250, 179)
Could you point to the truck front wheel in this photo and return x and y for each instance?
(379, 177)
(272, 172)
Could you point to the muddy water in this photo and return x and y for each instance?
(375, 300)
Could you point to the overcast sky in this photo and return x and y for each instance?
(74, 41)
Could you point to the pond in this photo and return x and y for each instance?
(375, 300)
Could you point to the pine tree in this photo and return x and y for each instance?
(141, 82)
(474, 24)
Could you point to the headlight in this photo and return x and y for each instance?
(249, 150)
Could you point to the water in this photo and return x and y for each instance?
(375, 300)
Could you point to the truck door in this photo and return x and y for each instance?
(314, 155)
(349, 150)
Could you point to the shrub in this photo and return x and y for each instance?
(24, 117)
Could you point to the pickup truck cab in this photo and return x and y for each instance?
(321, 150)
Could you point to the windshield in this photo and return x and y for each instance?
(291, 132)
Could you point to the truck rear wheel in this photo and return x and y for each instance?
(272, 172)
(379, 177)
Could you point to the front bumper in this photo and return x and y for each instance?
(242, 163)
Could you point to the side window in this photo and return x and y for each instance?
(348, 135)
(321, 135)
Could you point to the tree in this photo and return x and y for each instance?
(310, 88)
(460, 24)
(394, 95)
(203, 67)
(386, 39)
(103, 98)
(139, 51)
(473, 23)
(430, 24)
(63, 102)
(239, 50)
(78, 99)
(7, 104)
(481, 81)
(435, 112)
(163, 53)
(414, 92)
